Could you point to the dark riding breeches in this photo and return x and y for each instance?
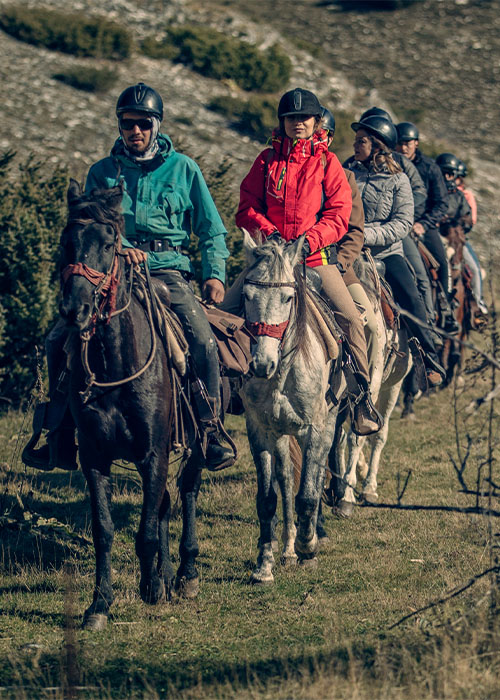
(433, 242)
(422, 278)
(199, 336)
(400, 277)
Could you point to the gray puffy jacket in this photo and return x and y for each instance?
(388, 204)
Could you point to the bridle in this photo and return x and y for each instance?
(105, 283)
(104, 307)
(271, 330)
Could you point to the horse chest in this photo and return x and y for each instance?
(273, 408)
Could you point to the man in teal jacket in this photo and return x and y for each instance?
(165, 198)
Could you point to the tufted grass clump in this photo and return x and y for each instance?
(218, 56)
(88, 78)
(68, 32)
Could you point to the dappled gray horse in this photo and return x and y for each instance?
(285, 396)
(393, 362)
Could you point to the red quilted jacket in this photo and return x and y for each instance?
(303, 192)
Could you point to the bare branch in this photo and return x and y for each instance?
(449, 596)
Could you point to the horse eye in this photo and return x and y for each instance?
(286, 298)
(108, 247)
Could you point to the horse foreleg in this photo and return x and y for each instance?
(187, 579)
(387, 402)
(315, 451)
(99, 483)
(355, 447)
(165, 569)
(154, 477)
(266, 509)
(285, 476)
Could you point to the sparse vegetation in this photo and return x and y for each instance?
(69, 32)
(219, 56)
(255, 116)
(88, 78)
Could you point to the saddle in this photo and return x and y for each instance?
(322, 317)
(167, 324)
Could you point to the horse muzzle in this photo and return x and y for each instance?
(76, 315)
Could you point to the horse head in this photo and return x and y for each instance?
(274, 296)
(89, 264)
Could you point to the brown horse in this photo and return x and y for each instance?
(453, 348)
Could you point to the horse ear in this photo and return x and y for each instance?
(113, 197)
(294, 251)
(249, 245)
(74, 192)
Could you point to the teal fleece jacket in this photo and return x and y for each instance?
(165, 198)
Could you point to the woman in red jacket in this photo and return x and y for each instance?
(299, 187)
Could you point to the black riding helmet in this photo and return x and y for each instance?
(406, 131)
(462, 169)
(328, 121)
(299, 101)
(380, 127)
(140, 98)
(448, 163)
(375, 112)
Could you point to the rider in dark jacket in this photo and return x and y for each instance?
(427, 225)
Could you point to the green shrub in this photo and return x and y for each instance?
(368, 5)
(32, 215)
(73, 33)
(255, 116)
(88, 78)
(216, 55)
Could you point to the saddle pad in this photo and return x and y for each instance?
(324, 327)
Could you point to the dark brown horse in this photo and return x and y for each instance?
(122, 400)
(453, 348)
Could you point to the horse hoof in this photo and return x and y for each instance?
(409, 416)
(260, 579)
(309, 563)
(344, 509)
(323, 540)
(370, 496)
(289, 561)
(275, 545)
(187, 588)
(153, 596)
(94, 622)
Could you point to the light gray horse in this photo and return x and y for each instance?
(286, 396)
(392, 364)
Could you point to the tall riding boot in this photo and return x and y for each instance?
(366, 420)
(60, 449)
(217, 455)
(448, 321)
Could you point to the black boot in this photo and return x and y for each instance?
(58, 453)
(218, 456)
(60, 450)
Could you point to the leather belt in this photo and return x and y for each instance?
(155, 246)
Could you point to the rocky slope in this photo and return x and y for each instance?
(409, 61)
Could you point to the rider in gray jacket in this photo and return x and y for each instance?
(388, 205)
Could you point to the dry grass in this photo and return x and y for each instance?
(314, 634)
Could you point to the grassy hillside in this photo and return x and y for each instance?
(314, 634)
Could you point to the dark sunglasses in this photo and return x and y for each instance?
(143, 124)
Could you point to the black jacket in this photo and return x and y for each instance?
(436, 205)
(459, 211)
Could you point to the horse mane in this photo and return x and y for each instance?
(99, 206)
(272, 252)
